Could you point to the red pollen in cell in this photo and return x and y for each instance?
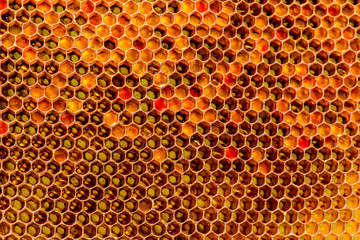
(264, 47)
(160, 104)
(304, 142)
(3, 4)
(125, 93)
(139, 45)
(230, 79)
(195, 91)
(334, 11)
(231, 152)
(281, 34)
(67, 118)
(201, 6)
(3, 128)
(87, 7)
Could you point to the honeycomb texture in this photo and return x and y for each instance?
(185, 120)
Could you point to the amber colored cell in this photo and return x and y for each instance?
(60, 155)
(316, 118)
(44, 105)
(29, 54)
(210, 115)
(160, 79)
(160, 154)
(81, 42)
(356, 117)
(111, 118)
(283, 106)
(103, 56)
(344, 142)
(37, 91)
(29, 29)
(290, 142)
(189, 103)
(8, 40)
(74, 105)
(167, 92)
(355, 93)
(237, 116)
(37, 117)
(88, 55)
(324, 130)
(15, 103)
(102, 31)
(118, 130)
(258, 154)
(196, 116)
(264, 167)
(174, 104)
(44, 6)
(51, 92)
(59, 105)
(303, 118)
(202, 103)
(95, 43)
(95, 19)
(89, 80)
(52, 17)
(133, 106)
(132, 131)
(257, 105)
(139, 68)
(109, 19)
(66, 68)
(189, 128)
(59, 30)
(322, 81)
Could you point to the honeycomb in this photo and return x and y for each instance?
(179, 119)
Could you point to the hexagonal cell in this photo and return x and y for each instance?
(73, 30)
(66, 18)
(37, 41)
(95, 19)
(73, 6)
(81, 18)
(15, 28)
(59, 6)
(51, 42)
(8, 15)
(81, 68)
